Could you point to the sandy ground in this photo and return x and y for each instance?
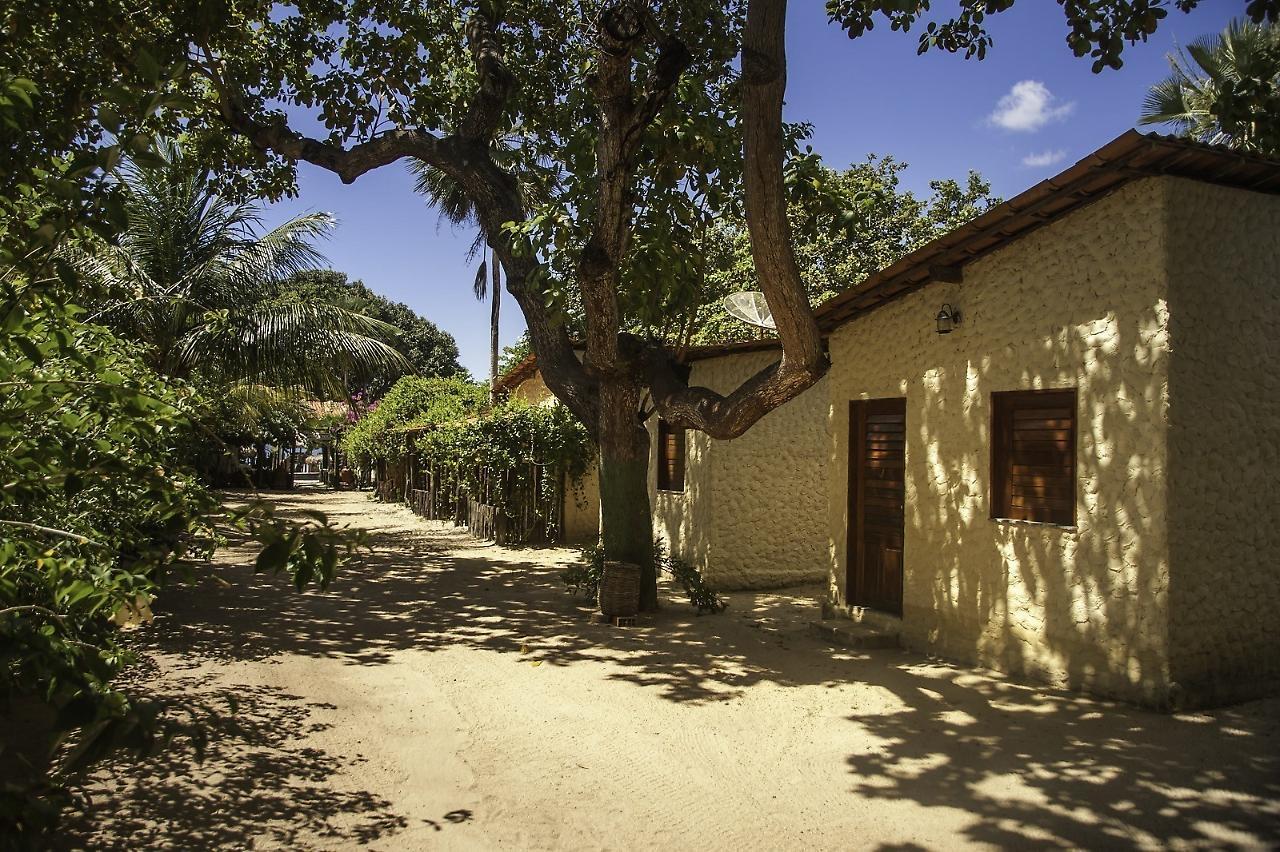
(450, 694)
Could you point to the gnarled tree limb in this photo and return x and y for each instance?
(484, 113)
(464, 156)
(803, 361)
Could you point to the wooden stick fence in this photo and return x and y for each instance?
(532, 513)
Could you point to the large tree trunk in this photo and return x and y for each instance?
(494, 313)
(626, 522)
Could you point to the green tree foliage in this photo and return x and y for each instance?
(192, 279)
(412, 401)
(1224, 89)
(243, 414)
(1096, 28)
(97, 503)
(850, 224)
(462, 438)
(428, 350)
(98, 508)
(514, 354)
(496, 453)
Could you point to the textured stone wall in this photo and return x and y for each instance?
(1224, 441)
(753, 513)
(582, 509)
(683, 519)
(1079, 303)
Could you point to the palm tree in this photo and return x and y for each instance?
(447, 197)
(192, 279)
(444, 194)
(1224, 89)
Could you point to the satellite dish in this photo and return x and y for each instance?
(750, 307)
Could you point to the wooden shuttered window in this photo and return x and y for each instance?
(670, 457)
(1033, 459)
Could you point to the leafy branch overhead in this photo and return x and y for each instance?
(1099, 29)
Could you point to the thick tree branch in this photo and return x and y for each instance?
(803, 361)
(484, 114)
(76, 537)
(347, 163)
(466, 158)
(673, 60)
(622, 27)
(276, 136)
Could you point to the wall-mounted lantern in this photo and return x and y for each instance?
(947, 319)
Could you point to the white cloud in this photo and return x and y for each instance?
(1044, 158)
(1028, 107)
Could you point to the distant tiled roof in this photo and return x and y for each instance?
(527, 368)
(1129, 157)
(327, 408)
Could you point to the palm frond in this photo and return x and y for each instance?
(1166, 103)
(443, 194)
(190, 275)
(248, 268)
(291, 343)
(242, 407)
(480, 287)
(1203, 71)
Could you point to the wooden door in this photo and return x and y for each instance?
(877, 444)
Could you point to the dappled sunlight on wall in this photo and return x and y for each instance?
(1079, 304)
(753, 514)
(582, 508)
(682, 519)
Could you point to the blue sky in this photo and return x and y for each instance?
(1024, 113)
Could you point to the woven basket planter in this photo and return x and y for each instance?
(620, 589)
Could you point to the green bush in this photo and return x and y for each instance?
(97, 509)
(412, 401)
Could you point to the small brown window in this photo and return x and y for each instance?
(1033, 458)
(670, 457)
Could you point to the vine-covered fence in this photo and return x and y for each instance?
(507, 472)
(518, 505)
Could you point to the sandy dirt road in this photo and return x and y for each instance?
(449, 694)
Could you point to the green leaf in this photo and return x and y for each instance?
(31, 350)
(147, 65)
(275, 556)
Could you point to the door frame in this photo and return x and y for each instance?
(855, 551)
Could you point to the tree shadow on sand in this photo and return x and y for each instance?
(1030, 764)
(256, 786)
(1051, 769)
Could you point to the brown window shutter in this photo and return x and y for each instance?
(670, 457)
(1033, 456)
